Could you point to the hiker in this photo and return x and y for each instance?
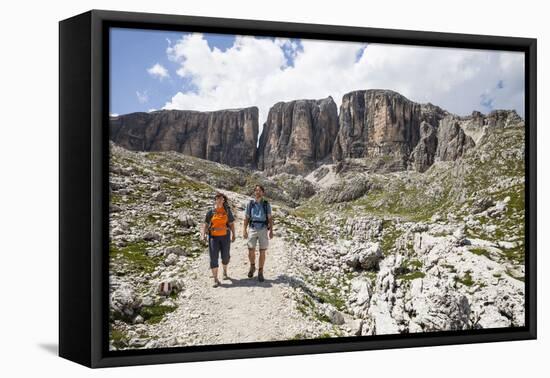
(258, 217)
(218, 223)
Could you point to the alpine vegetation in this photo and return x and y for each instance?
(388, 217)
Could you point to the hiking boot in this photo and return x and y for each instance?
(251, 271)
(261, 275)
(217, 283)
(225, 276)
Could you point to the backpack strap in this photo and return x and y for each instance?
(265, 213)
(209, 216)
(249, 212)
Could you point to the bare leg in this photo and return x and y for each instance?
(252, 255)
(224, 270)
(252, 259)
(215, 273)
(262, 258)
(261, 267)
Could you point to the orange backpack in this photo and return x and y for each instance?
(219, 222)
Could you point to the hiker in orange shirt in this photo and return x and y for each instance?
(218, 223)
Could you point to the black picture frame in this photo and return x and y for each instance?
(84, 194)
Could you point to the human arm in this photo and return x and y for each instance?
(232, 227)
(245, 222)
(245, 227)
(203, 231)
(270, 226)
(204, 227)
(270, 221)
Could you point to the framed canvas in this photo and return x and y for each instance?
(236, 188)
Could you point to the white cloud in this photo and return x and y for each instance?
(254, 71)
(158, 71)
(455, 79)
(142, 97)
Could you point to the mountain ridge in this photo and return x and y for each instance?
(380, 125)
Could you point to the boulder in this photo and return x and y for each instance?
(365, 257)
(185, 220)
(124, 301)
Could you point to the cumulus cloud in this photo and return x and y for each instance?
(263, 71)
(459, 80)
(142, 97)
(158, 71)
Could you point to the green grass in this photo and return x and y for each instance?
(516, 255)
(119, 338)
(154, 314)
(451, 268)
(134, 257)
(309, 210)
(519, 278)
(333, 299)
(152, 218)
(405, 199)
(389, 236)
(480, 252)
(299, 336)
(187, 242)
(466, 280)
(304, 236)
(325, 335)
(411, 276)
(406, 273)
(321, 317)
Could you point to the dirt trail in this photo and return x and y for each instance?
(242, 309)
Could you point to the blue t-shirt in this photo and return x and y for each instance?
(257, 213)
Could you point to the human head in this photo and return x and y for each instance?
(220, 199)
(259, 191)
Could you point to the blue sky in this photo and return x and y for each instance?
(133, 51)
(152, 70)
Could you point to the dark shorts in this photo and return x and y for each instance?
(217, 245)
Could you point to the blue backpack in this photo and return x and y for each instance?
(249, 214)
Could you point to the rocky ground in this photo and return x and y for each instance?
(355, 253)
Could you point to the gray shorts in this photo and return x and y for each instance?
(256, 236)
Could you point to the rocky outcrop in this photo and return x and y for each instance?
(452, 141)
(503, 118)
(381, 124)
(381, 130)
(423, 154)
(297, 135)
(224, 136)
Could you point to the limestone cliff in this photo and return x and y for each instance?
(224, 136)
(297, 135)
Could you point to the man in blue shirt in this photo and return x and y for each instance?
(258, 217)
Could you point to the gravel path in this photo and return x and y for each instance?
(241, 309)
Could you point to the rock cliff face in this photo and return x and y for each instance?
(297, 135)
(380, 129)
(224, 136)
(381, 124)
(396, 134)
(423, 154)
(452, 141)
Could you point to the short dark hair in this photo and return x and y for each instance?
(259, 186)
(218, 195)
